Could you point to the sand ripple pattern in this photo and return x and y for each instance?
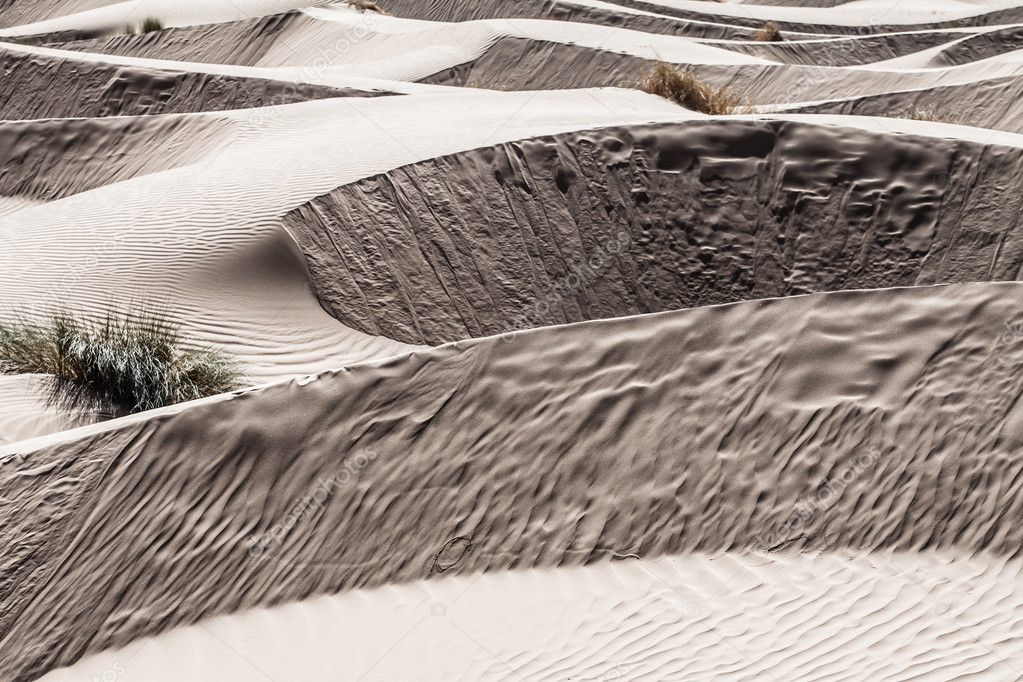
(698, 431)
(622, 221)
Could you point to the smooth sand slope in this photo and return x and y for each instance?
(836, 616)
(769, 425)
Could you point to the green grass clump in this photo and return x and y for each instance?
(151, 24)
(121, 365)
(684, 88)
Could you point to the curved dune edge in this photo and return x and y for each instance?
(816, 486)
(204, 242)
(163, 241)
(24, 413)
(48, 84)
(51, 159)
(628, 220)
(880, 15)
(724, 617)
(370, 475)
(513, 63)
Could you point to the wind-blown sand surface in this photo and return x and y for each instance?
(696, 431)
(652, 218)
(564, 382)
(729, 616)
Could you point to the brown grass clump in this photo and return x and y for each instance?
(770, 33)
(925, 114)
(684, 88)
(366, 6)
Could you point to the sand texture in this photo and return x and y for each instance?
(542, 376)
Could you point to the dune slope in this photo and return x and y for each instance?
(621, 221)
(702, 430)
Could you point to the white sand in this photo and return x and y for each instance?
(727, 617)
(205, 242)
(856, 13)
(113, 17)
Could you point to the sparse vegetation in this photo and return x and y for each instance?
(770, 33)
(119, 365)
(927, 114)
(151, 24)
(684, 88)
(130, 29)
(366, 6)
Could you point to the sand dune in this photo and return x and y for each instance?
(621, 221)
(91, 88)
(751, 426)
(98, 152)
(220, 261)
(724, 617)
(566, 382)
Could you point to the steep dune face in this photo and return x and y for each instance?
(984, 94)
(628, 391)
(992, 104)
(869, 17)
(55, 158)
(846, 51)
(756, 426)
(622, 221)
(981, 46)
(235, 42)
(880, 16)
(43, 87)
(13, 12)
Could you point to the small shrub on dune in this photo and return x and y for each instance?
(366, 6)
(770, 33)
(119, 365)
(925, 114)
(684, 88)
(151, 24)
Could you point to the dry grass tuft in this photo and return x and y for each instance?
(117, 365)
(927, 114)
(684, 88)
(770, 33)
(366, 6)
(151, 24)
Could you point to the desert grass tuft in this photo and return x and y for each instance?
(684, 88)
(366, 6)
(151, 24)
(927, 114)
(117, 364)
(770, 33)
